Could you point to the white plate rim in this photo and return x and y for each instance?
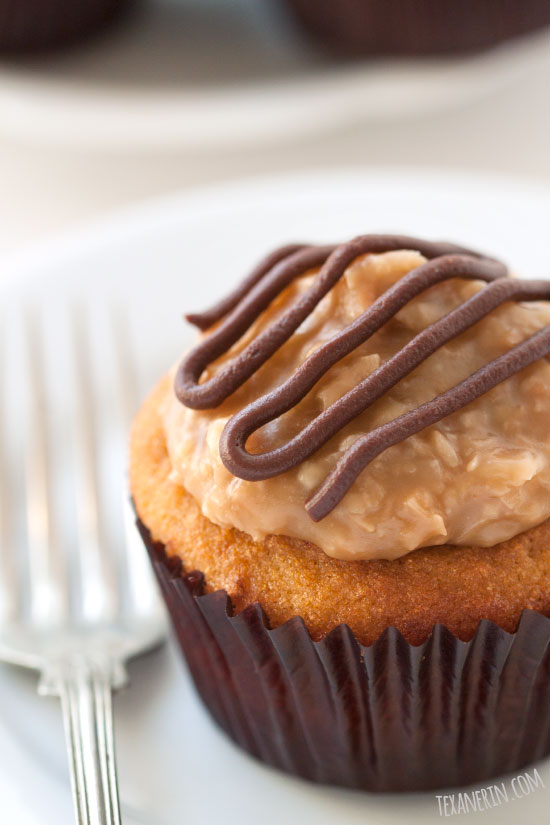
(123, 221)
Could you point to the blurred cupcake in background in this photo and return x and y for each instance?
(419, 26)
(40, 25)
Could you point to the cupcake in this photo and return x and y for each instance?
(419, 26)
(27, 25)
(344, 491)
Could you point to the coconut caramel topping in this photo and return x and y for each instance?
(333, 378)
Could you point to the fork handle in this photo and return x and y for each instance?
(85, 690)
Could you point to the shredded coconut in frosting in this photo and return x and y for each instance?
(478, 477)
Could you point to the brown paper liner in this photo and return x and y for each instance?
(418, 26)
(39, 25)
(389, 717)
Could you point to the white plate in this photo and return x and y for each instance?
(205, 74)
(163, 258)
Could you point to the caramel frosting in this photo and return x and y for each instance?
(366, 400)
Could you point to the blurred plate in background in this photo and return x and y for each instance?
(159, 260)
(201, 74)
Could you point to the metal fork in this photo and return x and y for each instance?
(76, 614)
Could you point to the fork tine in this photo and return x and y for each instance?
(82, 662)
(125, 366)
(100, 595)
(139, 580)
(9, 584)
(47, 575)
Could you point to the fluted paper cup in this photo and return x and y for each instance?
(388, 717)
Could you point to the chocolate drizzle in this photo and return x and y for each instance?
(242, 308)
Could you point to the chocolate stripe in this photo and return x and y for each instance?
(367, 447)
(240, 309)
(212, 393)
(203, 320)
(334, 261)
(256, 467)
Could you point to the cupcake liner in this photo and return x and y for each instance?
(388, 717)
(419, 26)
(35, 25)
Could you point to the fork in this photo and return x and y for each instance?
(75, 617)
